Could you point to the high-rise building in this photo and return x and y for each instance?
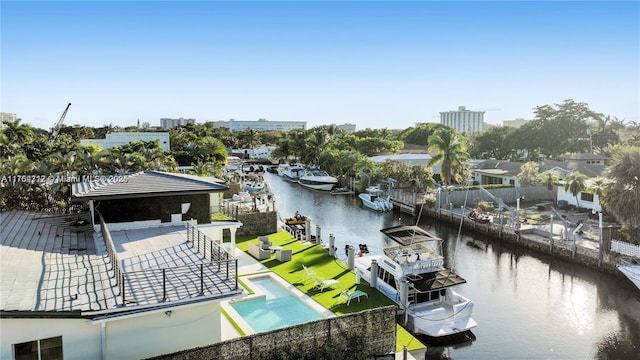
(463, 120)
(167, 123)
(348, 128)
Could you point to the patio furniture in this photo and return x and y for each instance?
(264, 242)
(258, 252)
(350, 295)
(322, 284)
(284, 255)
(308, 274)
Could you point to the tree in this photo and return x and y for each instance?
(529, 173)
(451, 152)
(574, 183)
(622, 195)
(495, 143)
(549, 178)
(563, 127)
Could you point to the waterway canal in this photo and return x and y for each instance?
(527, 305)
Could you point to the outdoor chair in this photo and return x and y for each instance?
(308, 274)
(350, 295)
(264, 242)
(284, 255)
(322, 284)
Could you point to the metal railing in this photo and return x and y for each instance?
(215, 275)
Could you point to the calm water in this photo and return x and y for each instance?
(275, 309)
(527, 306)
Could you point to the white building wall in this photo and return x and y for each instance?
(80, 338)
(571, 200)
(156, 334)
(118, 139)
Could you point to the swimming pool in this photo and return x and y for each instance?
(275, 304)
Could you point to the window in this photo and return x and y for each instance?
(586, 197)
(44, 349)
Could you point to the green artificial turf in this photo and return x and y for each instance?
(317, 259)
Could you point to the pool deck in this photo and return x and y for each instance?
(248, 265)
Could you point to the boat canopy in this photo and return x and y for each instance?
(436, 280)
(409, 234)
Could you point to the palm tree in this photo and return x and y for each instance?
(574, 183)
(452, 152)
(549, 178)
(622, 196)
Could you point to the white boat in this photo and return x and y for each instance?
(413, 275)
(631, 271)
(291, 172)
(251, 177)
(374, 198)
(317, 179)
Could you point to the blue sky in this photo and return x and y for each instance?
(374, 64)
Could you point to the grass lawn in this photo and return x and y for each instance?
(317, 259)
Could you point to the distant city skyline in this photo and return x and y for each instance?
(372, 64)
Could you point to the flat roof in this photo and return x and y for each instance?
(50, 263)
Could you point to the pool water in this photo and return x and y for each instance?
(278, 309)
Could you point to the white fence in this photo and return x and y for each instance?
(625, 248)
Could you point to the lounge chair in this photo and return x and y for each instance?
(322, 284)
(308, 274)
(350, 295)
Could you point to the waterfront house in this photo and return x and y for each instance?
(133, 277)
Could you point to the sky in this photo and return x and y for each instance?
(371, 63)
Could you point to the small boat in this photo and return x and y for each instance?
(413, 275)
(375, 199)
(251, 177)
(291, 172)
(317, 179)
(632, 272)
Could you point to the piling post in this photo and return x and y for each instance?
(600, 247)
(551, 235)
(318, 238)
(332, 243)
(307, 228)
(350, 257)
(373, 281)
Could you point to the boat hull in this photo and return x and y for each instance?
(632, 272)
(316, 185)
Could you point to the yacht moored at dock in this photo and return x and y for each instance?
(317, 179)
(413, 275)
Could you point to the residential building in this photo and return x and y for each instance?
(134, 277)
(7, 117)
(514, 123)
(261, 125)
(122, 138)
(463, 120)
(167, 123)
(348, 128)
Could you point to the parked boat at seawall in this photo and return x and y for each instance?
(317, 179)
(632, 272)
(291, 172)
(375, 199)
(413, 275)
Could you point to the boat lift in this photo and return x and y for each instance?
(513, 213)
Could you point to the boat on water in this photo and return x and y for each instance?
(413, 275)
(317, 179)
(632, 272)
(374, 198)
(291, 172)
(251, 177)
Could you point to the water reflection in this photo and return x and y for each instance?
(527, 305)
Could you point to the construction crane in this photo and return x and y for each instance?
(56, 129)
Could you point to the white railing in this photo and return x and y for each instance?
(625, 248)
